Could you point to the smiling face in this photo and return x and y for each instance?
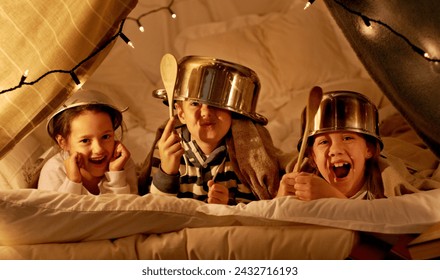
(340, 158)
(207, 125)
(92, 136)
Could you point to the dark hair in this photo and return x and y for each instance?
(62, 121)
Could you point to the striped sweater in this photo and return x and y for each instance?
(196, 169)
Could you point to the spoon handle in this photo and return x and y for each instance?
(168, 72)
(313, 103)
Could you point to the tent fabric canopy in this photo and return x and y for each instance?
(47, 43)
(392, 50)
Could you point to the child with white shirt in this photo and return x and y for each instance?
(91, 160)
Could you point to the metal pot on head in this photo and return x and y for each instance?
(345, 111)
(218, 83)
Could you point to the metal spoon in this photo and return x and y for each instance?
(168, 71)
(315, 97)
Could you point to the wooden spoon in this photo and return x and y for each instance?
(168, 71)
(315, 97)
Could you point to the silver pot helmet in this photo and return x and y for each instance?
(87, 97)
(218, 83)
(345, 111)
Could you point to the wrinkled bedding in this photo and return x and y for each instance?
(209, 243)
(277, 40)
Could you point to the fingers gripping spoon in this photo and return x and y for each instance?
(168, 72)
(315, 97)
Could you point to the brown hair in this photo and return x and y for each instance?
(372, 170)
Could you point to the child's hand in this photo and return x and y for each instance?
(287, 185)
(306, 186)
(218, 193)
(309, 187)
(170, 149)
(73, 164)
(120, 157)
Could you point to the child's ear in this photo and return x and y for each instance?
(370, 151)
(61, 142)
(180, 113)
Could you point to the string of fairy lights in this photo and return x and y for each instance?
(138, 19)
(22, 81)
(366, 19)
(71, 72)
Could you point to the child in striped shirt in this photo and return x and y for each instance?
(194, 163)
(209, 151)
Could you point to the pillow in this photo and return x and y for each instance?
(291, 51)
(30, 216)
(18, 166)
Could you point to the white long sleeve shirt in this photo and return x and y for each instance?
(53, 177)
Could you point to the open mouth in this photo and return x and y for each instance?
(97, 160)
(341, 169)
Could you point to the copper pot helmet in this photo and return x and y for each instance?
(344, 111)
(218, 83)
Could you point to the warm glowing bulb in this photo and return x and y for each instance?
(126, 40)
(141, 28)
(368, 30)
(173, 14)
(308, 4)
